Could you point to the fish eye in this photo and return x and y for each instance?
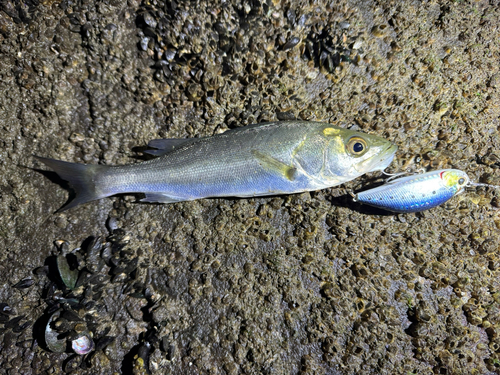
(357, 146)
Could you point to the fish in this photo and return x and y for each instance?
(417, 192)
(283, 157)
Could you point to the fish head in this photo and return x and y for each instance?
(351, 154)
(455, 179)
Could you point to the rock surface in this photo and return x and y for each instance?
(310, 283)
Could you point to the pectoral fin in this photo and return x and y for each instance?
(272, 164)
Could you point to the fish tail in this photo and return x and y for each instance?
(82, 179)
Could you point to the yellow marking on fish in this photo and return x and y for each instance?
(331, 131)
(272, 164)
(339, 145)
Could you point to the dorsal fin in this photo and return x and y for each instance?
(164, 146)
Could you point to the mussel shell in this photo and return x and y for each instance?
(68, 275)
(51, 336)
(104, 341)
(83, 344)
(72, 363)
(23, 284)
(6, 309)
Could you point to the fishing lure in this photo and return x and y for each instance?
(417, 192)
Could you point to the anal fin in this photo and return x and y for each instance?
(161, 198)
(272, 164)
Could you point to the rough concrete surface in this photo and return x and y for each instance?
(310, 283)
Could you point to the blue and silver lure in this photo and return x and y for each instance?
(417, 192)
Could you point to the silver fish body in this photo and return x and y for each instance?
(416, 193)
(257, 160)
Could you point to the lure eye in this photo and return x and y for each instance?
(461, 181)
(357, 146)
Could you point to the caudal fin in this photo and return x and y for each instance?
(81, 177)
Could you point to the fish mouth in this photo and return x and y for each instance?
(380, 161)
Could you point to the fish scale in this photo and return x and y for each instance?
(257, 160)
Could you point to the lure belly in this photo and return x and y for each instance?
(416, 193)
